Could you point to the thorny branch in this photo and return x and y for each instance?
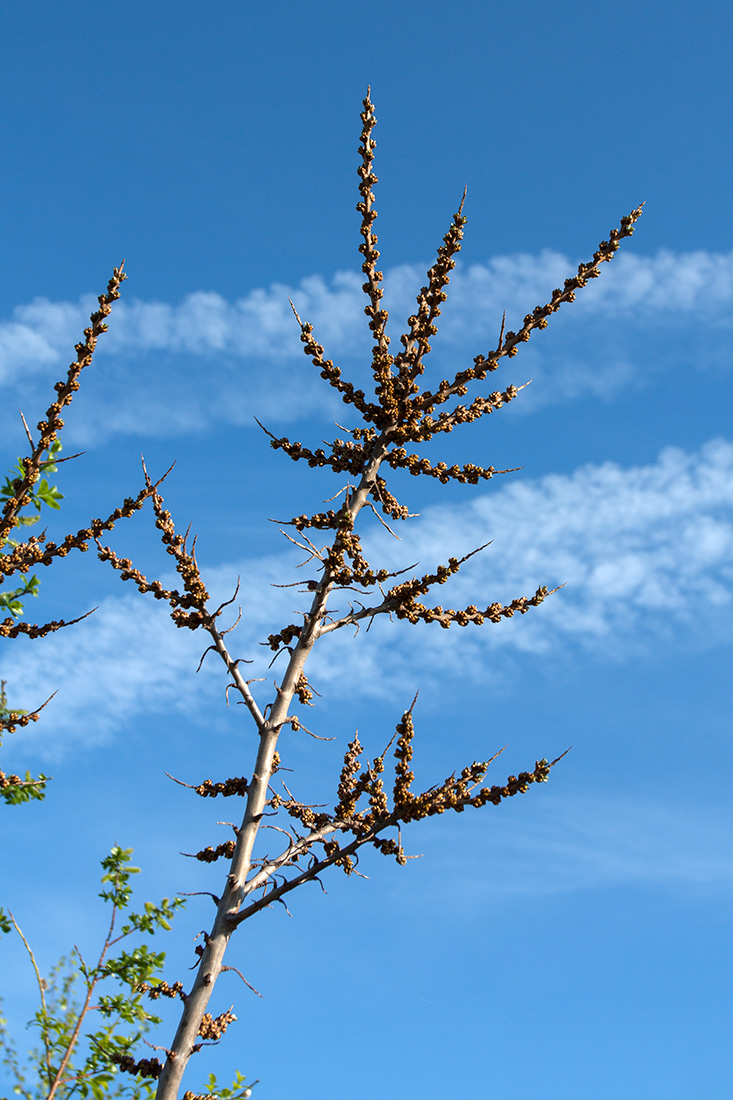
(19, 494)
(400, 413)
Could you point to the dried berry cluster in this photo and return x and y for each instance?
(229, 787)
(213, 1028)
(146, 1067)
(210, 855)
(36, 551)
(162, 989)
(13, 718)
(189, 607)
(455, 793)
(366, 825)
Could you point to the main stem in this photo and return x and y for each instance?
(236, 890)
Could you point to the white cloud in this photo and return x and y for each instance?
(204, 324)
(124, 660)
(632, 286)
(639, 550)
(551, 845)
(254, 360)
(646, 554)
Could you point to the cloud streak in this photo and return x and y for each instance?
(251, 349)
(645, 554)
(575, 844)
(127, 660)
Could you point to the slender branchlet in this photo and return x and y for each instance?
(50, 427)
(381, 359)
(410, 362)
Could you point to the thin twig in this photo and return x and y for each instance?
(42, 990)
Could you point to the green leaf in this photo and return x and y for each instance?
(29, 790)
(47, 494)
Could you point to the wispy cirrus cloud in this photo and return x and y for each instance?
(569, 844)
(125, 660)
(243, 357)
(645, 554)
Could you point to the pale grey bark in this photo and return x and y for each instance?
(237, 888)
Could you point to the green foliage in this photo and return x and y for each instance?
(11, 603)
(41, 493)
(13, 789)
(117, 875)
(28, 790)
(238, 1091)
(71, 1059)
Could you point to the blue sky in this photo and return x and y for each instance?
(575, 943)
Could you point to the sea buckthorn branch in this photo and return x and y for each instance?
(344, 458)
(49, 428)
(410, 609)
(455, 793)
(145, 1067)
(31, 490)
(466, 475)
(465, 414)
(37, 551)
(189, 608)
(128, 573)
(348, 456)
(321, 521)
(212, 1028)
(363, 811)
(162, 989)
(381, 359)
(186, 565)
(236, 785)
(11, 629)
(299, 811)
(351, 783)
(10, 719)
(387, 502)
(210, 855)
(332, 374)
(537, 319)
(284, 637)
(401, 600)
(403, 776)
(422, 325)
(305, 691)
